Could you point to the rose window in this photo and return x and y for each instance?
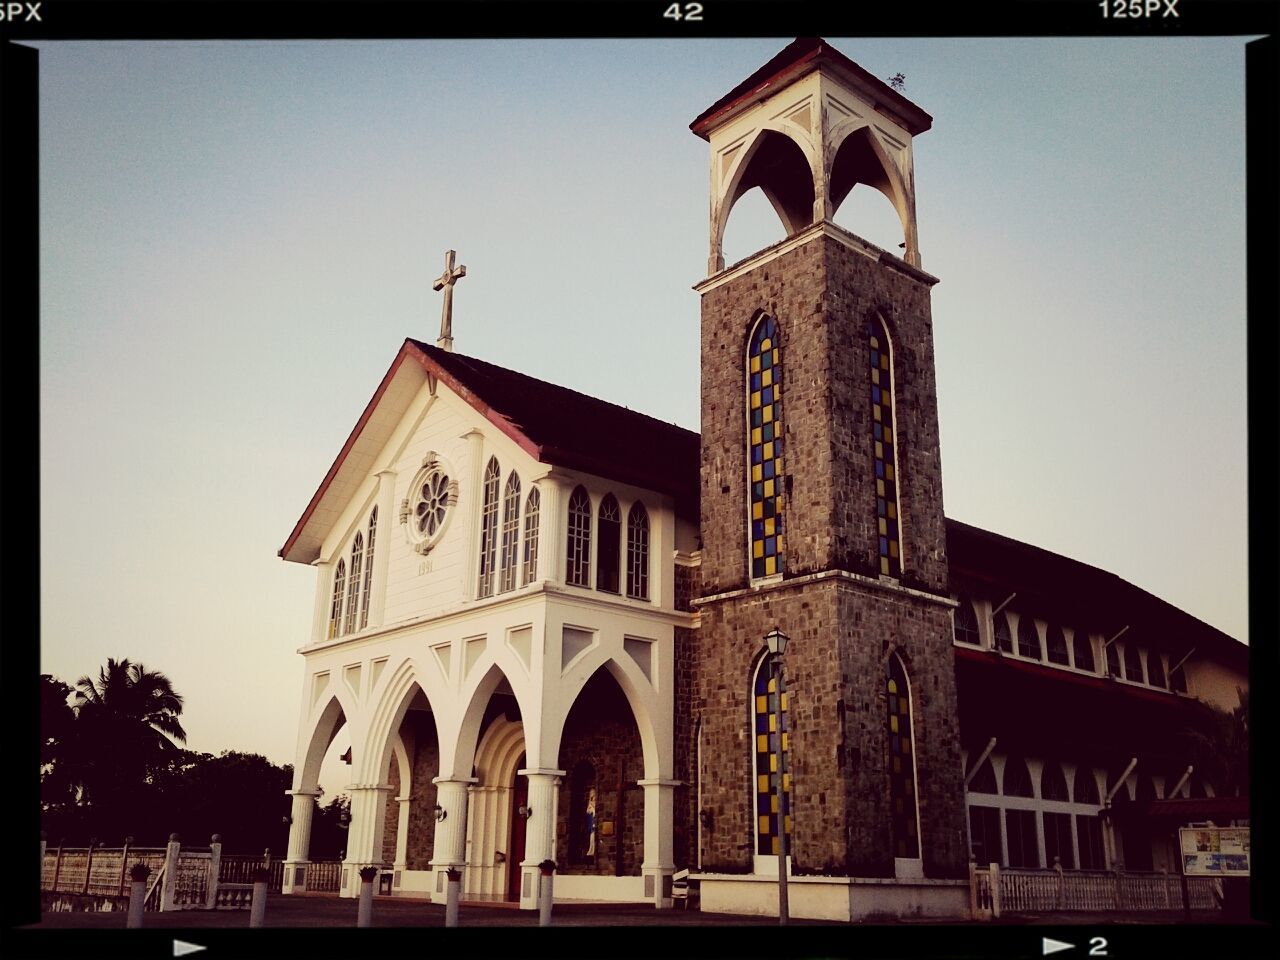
(433, 504)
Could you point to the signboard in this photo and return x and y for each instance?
(1214, 851)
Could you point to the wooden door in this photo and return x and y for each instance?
(519, 798)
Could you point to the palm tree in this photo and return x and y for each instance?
(127, 721)
(1219, 748)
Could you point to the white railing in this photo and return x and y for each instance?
(995, 890)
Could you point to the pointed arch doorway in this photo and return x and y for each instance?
(495, 833)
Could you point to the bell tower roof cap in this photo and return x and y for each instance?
(798, 58)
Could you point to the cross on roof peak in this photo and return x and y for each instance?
(445, 282)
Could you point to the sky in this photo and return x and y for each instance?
(236, 237)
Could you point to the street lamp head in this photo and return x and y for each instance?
(777, 641)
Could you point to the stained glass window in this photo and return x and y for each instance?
(883, 444)
(510, 534)
(368, 570)
(1057, 645)
(353, 588)
(765, 708)
(335, 611)
(609, 545)
(532, 508)
(1083, 651)
(966, 623)
(902, 763)
(764, 394)
(489, 527)
(1004, 636)
(578, 554)
(1028, 638)
(638, 552)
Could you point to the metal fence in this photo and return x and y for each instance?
(995, 890)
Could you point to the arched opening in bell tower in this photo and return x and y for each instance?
(774, 170)
(867, 195)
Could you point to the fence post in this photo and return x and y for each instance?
(364, 913)
(124, 863)
(215, 868)
(258, 908)
(57, 865)
(1119, 885)
(995, 890)
(169, 885)
(137, 895)
(547, 869)
(1062, 883)
(453, 877)
(88, 865)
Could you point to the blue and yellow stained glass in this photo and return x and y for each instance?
(764, 393)
(767, 738)
(902, 779)
(883, 442)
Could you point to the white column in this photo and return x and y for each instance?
(304, 805)
(402, 834)
(449, 850)
(387, 518)
(324, 595)
(470, 502)
(540, 830)
(364, 836)
(552, 531)
(659, 858)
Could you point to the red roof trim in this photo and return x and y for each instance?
(346, 449)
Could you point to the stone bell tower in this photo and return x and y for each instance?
(822, 497)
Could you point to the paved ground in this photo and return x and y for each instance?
(325, 911)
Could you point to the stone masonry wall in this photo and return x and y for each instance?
(419, 731)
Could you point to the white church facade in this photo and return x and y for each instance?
(540, 616)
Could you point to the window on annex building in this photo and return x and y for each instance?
(1155, 670)
(765, 709)
(984, 835)
(1017, 779)
(1082, 650)
(532, 508)
(1057, 840)
(1024, 846)
(764, 447)
(609, 545)
(638, 552)
(1086, 786)
(489, 528)
(1133, 663)
(1089, 833)
(966, 623)
(884, 442)
(984, 780)
(1053, 785)
(1057, 646)
(1178, 679)
(1028, 638)
(1004, 635)
(510, 553)
(902, 762)
(578, 552)
(1113, 660)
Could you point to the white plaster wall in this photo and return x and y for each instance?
(838, 899)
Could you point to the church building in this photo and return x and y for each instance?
(542, 617)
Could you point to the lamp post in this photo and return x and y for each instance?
(777, 643)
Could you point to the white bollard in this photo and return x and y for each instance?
(258, 908)
(547, 878)
(453, 888)
(137, 895)
(364, 913)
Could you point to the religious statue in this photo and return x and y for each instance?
(590, 822)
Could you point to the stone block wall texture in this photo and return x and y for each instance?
(419, 732)
(841, 629)
(601, 736)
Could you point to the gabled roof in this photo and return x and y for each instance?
(553, 424)
(798, 58)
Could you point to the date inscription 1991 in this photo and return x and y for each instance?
(1138, 9)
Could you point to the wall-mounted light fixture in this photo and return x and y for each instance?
(706, 818)
(441, 813)
(525, 812)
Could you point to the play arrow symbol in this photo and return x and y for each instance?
(1049, 945)
(181, 948)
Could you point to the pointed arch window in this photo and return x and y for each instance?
(1017, 780)
(532, 509)
(335, 611)
(1155, 670)
(1057, 645)
(1086, 786)
(510, 534)
(1053, 784)
(368, 570)
(768, 741)
(638, 552)
(984, 779)
(1028, 638)
(902, 763)
(578, 554)
(609, 546)
(764, 411)
(489, 527)
(1004, 635)
(353, 587)
(1113, 659)
(883, 446)
(1082, 649)
(966, 623)
(1132, 663)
